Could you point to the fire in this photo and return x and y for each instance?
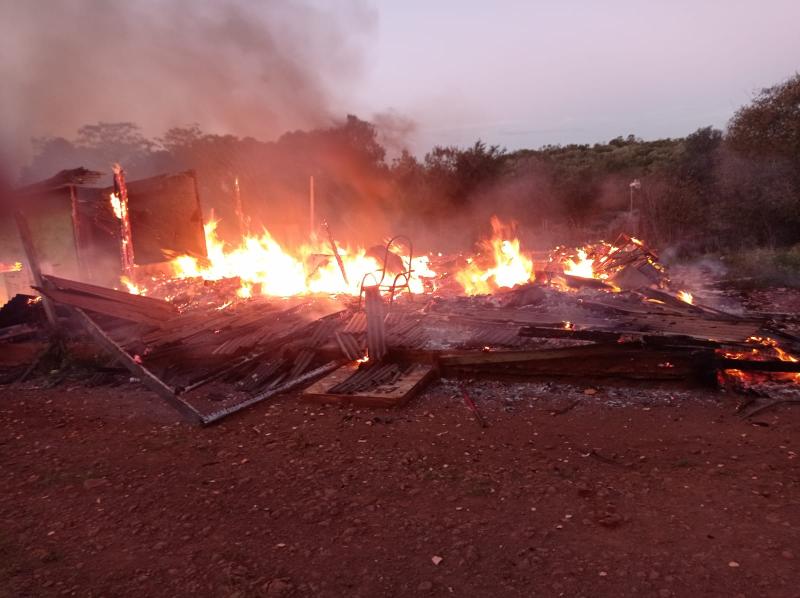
(767, 348)
(116, 205)
(15, 267)
(686, 297)
(583, 268)
(265, 267)
(510, 266)
(131, 286)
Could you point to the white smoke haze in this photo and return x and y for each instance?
(249, 68)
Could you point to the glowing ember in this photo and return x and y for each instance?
(686, 297)
(766, 349)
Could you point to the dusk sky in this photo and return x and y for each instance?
(523, 74)
(514, 73)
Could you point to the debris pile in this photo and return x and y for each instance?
(212, 334)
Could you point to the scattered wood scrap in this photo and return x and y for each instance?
(209, 360)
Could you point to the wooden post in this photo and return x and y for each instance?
(126, 238)
(311, 217)
(33, 263)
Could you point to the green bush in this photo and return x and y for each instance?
(762, 266)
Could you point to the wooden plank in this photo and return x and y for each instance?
(751, 365)
(607, 360)
(389, 395)
(662, 340)
(147, 378)
(101, 305)
(120, 296)
(718, 330)
(499, 357)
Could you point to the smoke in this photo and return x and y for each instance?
(233, 66)
(395, 131)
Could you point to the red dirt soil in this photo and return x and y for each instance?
(633, 492)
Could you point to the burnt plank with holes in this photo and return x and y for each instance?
(395, 392)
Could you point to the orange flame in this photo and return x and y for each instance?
(264, 266)
(583, 267)
(131, 286)
(511, 267)
(15, 267)
(116, 205)
(768, 349)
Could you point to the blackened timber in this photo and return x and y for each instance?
(624, 360)
(752, 365)
(654, 340)
(113, 294)
(118, 309)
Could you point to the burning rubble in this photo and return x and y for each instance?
(219, 328)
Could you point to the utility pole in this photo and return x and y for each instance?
(238, 208)
(635, 184)
(311, 218)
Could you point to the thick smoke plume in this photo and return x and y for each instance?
(251, 68)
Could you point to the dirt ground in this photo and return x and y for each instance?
(570, 491)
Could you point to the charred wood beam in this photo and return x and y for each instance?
(745, 365)
(610, 336)
(125, 234)
(99, 305)
(620, 360)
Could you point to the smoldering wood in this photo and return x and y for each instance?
(126, 248)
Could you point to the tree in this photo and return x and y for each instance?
(770, 125)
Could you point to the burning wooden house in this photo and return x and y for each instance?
(212, 335)
(77, 231)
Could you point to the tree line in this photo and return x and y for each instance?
(712, 190)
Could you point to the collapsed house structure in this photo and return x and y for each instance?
(208, 352)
